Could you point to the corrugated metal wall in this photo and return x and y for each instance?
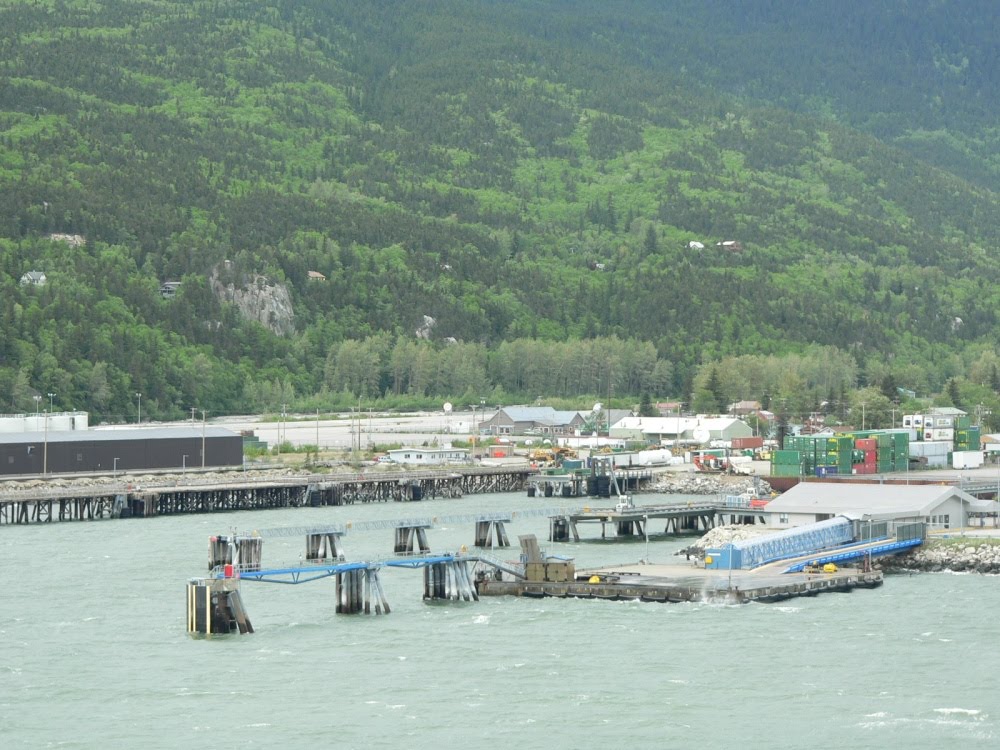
(134, 454)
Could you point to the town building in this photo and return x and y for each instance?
(118, 450)
(939, 506)
(533, 420)
(674, 430)
(429, 455)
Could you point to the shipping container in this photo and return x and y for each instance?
(966, 459)
(743, 443)
(787, 457)
(866, 444)
(944, 433)
(930, 448)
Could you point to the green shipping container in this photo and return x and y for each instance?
(787, 457)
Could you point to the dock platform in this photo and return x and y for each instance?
(686, 583)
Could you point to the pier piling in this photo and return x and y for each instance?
(360, 590)
(485, 534)
(214, 607)
(449, 581)
(406, 536)
(324, 547)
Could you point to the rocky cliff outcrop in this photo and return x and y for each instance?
(257, 298)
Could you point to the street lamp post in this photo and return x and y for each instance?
(868, 518)
(731, 551)
(645, 531)
(203, 438)
(138, 419)
(114, 469)
(38, 399)
(45, 451)
(473, 433)
(51, 396)
(184, 459)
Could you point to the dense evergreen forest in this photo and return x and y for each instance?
(549, 181)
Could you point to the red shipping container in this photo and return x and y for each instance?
(866, 444)
(871, 457)
(747, 443)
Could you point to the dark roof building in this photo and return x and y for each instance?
(526, 420)
(118, 450)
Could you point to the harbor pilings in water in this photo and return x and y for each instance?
(449, 581)
(214, 606)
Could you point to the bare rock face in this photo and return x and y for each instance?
(257, 298)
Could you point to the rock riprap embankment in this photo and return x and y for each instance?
(974, 555)
(721, 535)
(708, 484)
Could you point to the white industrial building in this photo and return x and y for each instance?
(673, 430)
(940, 506)
(57, 421)
(433, 455)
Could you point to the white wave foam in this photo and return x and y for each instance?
(965, 711)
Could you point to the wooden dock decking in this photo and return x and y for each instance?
(154, 495)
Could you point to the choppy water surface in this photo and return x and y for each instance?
(94, 654)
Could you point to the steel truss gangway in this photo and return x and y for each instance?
(876, 548)
(306, 573)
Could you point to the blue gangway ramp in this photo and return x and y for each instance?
(801, 540)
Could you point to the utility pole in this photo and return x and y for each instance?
(203, 438)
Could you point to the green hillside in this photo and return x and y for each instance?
(528, 174)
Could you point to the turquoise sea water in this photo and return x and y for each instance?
(94, 653)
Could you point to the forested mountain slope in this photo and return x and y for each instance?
(517, 170)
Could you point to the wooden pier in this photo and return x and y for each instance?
(154, 495)
(600, 482)
(678, 518)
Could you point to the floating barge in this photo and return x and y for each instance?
(686, 583)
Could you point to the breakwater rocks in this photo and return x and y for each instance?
(971, 554)
(721, 535)
(708, 484)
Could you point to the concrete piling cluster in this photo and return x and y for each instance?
(449, 581)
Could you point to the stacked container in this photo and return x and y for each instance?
(868, 448)
(786, 463)
(967, 439)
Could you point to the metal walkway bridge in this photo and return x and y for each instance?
(314, 571)
(834, 540)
